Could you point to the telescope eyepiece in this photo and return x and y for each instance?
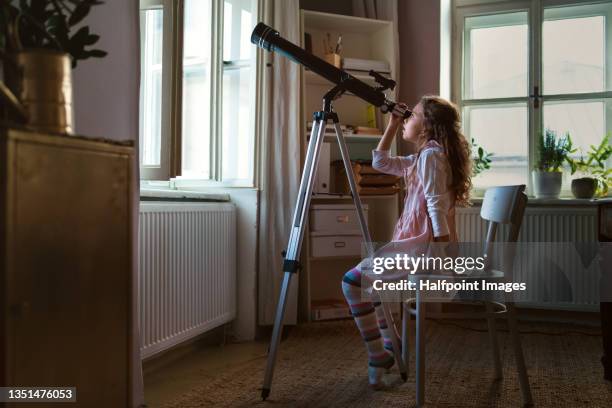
(263, 35)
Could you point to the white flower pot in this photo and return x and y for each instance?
(547, 184)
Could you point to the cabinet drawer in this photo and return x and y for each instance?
(335, 245)
(335, 218)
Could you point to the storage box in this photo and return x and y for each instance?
(324, 245)
(330, 309)
(336, 218)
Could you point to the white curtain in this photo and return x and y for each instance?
(280, 170)
(382, 10)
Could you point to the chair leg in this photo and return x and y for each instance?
(405, 334)
(518, 353)
(493, 340)
(420, 350)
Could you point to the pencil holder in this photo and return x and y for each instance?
(334, 59)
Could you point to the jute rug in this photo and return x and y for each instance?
(324, 365)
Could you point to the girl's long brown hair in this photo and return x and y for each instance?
(442, 123)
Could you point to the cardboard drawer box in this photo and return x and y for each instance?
(336, 218)
(325, 245)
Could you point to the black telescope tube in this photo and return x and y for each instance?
(269, 39)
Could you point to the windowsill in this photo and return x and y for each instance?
(150, 191)
(563, 201)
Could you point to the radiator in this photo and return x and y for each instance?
(579, 288)
(187, 271)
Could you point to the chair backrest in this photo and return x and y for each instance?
(503, 205)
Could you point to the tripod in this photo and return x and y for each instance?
(291, 263)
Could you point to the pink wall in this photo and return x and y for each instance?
(419, 38)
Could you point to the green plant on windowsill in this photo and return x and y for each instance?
(596, 178)
(481, 159)
(552, 152)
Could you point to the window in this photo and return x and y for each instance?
(197, 91)
(523, 66)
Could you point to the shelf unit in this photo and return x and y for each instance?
(320, 278)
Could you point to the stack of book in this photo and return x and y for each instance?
(369, 181)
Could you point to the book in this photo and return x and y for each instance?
(366, 130)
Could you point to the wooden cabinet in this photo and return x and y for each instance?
(66, 272)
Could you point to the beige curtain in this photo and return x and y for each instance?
(280, 169)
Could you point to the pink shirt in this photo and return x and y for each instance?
(433, 173)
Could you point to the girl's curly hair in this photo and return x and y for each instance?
(442, 123)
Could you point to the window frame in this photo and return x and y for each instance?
(162, 171)
(170, 168)
(461, 9)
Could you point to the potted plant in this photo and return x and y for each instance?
(481, 159)
(594, 178)
(39, 43)
(552, 152)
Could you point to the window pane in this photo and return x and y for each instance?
(238, 23)
(496, 56)
(196, 141)
(503, 131)
(237, 124)
(238, 90)
(584, 120)
(151, 87)
(574, 49)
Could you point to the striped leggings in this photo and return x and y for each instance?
(370, 320)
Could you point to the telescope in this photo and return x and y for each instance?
(269, 39)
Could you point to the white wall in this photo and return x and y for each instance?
(106, 90)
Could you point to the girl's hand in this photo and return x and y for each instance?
(395, 118)
(392, 127)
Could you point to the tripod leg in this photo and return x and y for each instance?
(276, 335)
(368, 241)
(291, 262)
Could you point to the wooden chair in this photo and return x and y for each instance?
(501, 205)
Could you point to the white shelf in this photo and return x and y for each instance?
(354, 138)
(366, 39)
(332, 258)
(339, 22)
(347, 197)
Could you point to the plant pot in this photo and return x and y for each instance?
(42, 82)
(584, 187)
(547, 184)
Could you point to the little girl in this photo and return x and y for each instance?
(437, 179)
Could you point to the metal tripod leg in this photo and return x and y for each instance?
(368, 241)
(291, 262)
